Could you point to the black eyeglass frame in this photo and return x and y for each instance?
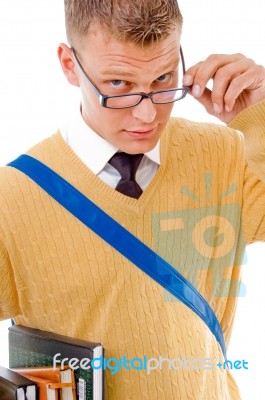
(104, 98)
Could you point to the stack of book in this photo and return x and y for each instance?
(60, 366)
(16, 387)
(43, 383)
(52, 383)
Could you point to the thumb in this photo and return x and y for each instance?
(205, 98)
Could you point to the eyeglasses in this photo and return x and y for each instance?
(133, 99)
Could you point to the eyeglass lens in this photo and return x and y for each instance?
(159, 97)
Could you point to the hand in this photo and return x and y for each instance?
(237, 83)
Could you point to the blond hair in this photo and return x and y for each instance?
(143, 22)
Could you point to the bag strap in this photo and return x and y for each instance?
(119, 238)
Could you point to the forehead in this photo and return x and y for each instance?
(104, 52)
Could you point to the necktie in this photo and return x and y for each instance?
(126, 165)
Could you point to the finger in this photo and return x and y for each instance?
(226, 84)
(200, 74)
(188, 78)
(206, 100)
(238, 85)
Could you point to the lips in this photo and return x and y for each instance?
(141, 132)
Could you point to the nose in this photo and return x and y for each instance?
(145, 111)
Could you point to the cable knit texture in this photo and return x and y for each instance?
(59, 276)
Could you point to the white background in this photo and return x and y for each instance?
(35, 100)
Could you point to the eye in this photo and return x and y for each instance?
(117, 83)
(164, 78)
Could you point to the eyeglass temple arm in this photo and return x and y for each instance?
(183, 61)
(87, 78)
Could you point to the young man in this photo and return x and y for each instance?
(199, 195)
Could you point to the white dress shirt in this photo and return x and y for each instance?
(95, 152)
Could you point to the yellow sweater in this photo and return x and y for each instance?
(59, 276)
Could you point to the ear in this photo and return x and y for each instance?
(68, 66)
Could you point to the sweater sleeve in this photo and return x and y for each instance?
(251, 122)
(9, 305)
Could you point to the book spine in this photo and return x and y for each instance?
(26, 358)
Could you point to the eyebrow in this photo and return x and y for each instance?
(113, 71)
(166, 68)
(171, 66)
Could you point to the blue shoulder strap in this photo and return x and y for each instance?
(121, 239)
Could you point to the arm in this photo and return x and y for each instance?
(238, 99)
(9, 305)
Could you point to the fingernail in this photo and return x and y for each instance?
(187, 80)
(216, 108)
(196, 90)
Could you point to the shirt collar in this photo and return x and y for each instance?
(91, 148)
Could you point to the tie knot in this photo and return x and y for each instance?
(126, 164)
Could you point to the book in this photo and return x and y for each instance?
(51, 381)
(16, 387)
(30, 347)
(45, 392)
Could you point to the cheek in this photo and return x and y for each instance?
(93, 109)
(164, 111)
(89, 100)
(113, 123)
(106, 122)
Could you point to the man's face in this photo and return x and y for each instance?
(118, 68)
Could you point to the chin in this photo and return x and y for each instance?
(140, 146)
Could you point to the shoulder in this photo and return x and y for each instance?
(203, 132)
(12, 181)
(205, 145)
